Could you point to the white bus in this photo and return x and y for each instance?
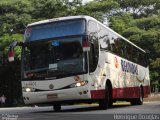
(77, 59)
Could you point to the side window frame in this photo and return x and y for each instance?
(94, 44)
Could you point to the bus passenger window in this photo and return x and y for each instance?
(117, 48)
(121, 47)
(114, 44)
(129, 52)
(141, 58)
(103, 38)
(134, 55)
(112, 47)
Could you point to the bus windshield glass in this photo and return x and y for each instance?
(53, 58)
(55, 29)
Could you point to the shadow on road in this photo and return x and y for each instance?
(83, 109)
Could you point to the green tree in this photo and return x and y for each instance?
(139, 8)
(100, 9)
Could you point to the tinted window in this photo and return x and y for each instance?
(103, 38)
(55, 29)
(116, 46)
(135, 54)
(141, 58)
(126, 50)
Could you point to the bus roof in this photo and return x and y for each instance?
(58, 19)
(78, 17)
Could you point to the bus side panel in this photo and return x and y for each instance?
(126, 84)
(130, 92)
(98, 94)
(147, 91)
(116, 76)
(147, 88)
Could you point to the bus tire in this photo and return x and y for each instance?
(57, 107)
(138, 101)
(104, 103)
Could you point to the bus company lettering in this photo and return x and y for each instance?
(129, 67)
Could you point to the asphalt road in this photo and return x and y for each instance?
(147, 111)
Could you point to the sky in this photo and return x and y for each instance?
(84, 1)
(87, 0)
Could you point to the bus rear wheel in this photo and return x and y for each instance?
(57, 107)
(138, 101)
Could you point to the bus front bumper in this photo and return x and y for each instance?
(80, 93)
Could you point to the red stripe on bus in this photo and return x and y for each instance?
(146, 90)
(97, 94)
(129, 92)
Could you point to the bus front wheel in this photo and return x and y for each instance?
(57, 107)
(104, 103)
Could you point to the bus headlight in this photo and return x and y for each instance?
(79, 84)
(27, 89)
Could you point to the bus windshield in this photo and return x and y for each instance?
(53, 58)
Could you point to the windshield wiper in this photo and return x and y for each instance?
(36, 70)
(61, 71)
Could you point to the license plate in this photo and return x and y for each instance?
(52, 96)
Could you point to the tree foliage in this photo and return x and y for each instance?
(141, 26)
(139, 8)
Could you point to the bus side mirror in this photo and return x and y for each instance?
(11, 50)
(11, 54)
(85, 44)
